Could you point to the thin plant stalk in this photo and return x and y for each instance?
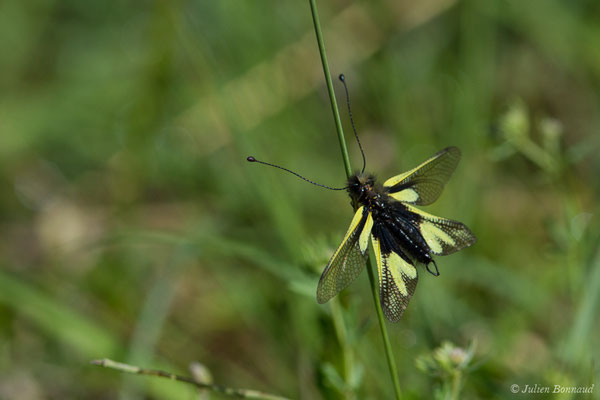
(334, 107)
(347, 353)
(238, 393)
(340, 132)
(389, 354)
(456, 383)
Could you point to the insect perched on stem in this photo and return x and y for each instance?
(402, 236)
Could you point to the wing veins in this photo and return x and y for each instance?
(427, 180)
(346, 263)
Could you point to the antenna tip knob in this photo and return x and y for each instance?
(342, 77)
(251, 159)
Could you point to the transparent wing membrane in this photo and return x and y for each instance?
(424, 184)
(397, 282)
(348, 260)
(443, 236)
(402, 236)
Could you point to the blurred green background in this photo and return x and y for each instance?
(132, 227)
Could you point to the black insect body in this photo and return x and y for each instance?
(402, 236)
(390, 219)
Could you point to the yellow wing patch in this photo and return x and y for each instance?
(377, 250)
(434, 237)
(452, 153)
(394, 263)
(443, 236)
(355, 221)
(406, 195)
(424, 184)
(399, 178)
(347, 261)
(397, 282)
(363, 240)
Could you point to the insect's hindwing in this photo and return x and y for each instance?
(424, 184)
(349, 259)
(397, 281)
(443, 236)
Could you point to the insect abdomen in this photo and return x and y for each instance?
(411, 240)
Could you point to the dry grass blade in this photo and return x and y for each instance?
(240, 393)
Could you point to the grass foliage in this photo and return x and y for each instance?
(132, 227)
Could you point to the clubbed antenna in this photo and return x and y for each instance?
(252, 159)
(343, 79)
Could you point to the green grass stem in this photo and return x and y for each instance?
(334, 107)
(340, 132)
(347, 352)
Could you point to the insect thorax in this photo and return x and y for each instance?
(364, 190)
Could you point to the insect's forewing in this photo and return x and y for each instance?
(397, 281)
(349, 259)
(443, 236)
(424, 184)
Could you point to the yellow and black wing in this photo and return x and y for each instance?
(397, 280)
(349, 259)
(424, 184)
(443, 236)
